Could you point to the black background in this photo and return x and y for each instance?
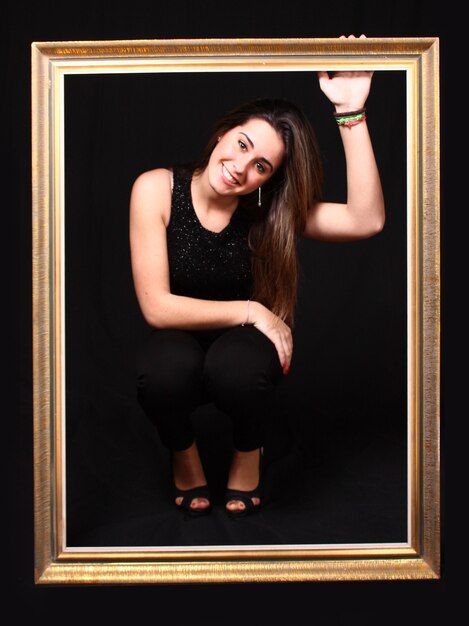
(344, 402)
(299, 603)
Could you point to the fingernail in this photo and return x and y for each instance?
(286, 371)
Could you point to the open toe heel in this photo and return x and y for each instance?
(188, 496)
(246, 496)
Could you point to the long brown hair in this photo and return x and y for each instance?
(286, 198)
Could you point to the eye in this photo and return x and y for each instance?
(260, 168)
(242, 145)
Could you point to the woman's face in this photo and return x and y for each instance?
(245, 158)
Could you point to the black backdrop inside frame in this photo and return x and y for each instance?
(337, 452)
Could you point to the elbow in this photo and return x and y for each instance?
(154, 314)
(370, 231)
(374, 225)
(380, 221)
(154, 320)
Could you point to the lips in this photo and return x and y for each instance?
(227, 175)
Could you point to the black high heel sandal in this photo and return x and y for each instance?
(246, 496)
(188, 495)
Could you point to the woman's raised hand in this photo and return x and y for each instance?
(347, 90)
(276, 330)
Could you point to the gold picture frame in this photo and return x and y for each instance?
(418, 558)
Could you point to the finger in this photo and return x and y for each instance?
(288, 350)
(284, 353)
(282, 356)
(323, 78)
(287, 364)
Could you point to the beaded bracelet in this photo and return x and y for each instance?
(350, 118)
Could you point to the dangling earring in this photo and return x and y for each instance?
(259, 201)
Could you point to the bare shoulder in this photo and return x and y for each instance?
(151, 192)
(153, 180)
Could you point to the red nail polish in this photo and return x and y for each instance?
(286, 371)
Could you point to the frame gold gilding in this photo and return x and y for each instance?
(419, 558)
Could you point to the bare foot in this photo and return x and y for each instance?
(188, 473)
(244, 476)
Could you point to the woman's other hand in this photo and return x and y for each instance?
(347, 90)
(276, 330)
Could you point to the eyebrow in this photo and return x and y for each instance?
(252, 146)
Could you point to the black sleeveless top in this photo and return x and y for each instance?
(204, 264)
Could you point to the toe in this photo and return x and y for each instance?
(200, 503)
(236, 505)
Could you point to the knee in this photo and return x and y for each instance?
(241, 367)
(169, 369)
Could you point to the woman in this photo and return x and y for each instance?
(215, 269)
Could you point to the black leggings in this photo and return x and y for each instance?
(236, 369)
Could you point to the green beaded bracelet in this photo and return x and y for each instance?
(350, 118)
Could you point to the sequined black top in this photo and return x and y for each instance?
(204, 264)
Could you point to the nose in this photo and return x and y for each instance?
(239, 165)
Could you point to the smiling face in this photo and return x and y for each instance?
(245, 158)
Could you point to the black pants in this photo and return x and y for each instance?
(236, 369)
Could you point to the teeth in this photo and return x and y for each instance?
(228, 175)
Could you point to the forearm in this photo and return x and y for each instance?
(365, 203)
(181, 312)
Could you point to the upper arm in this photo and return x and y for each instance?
(334, 221)
(150, 209)
(329, 221)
